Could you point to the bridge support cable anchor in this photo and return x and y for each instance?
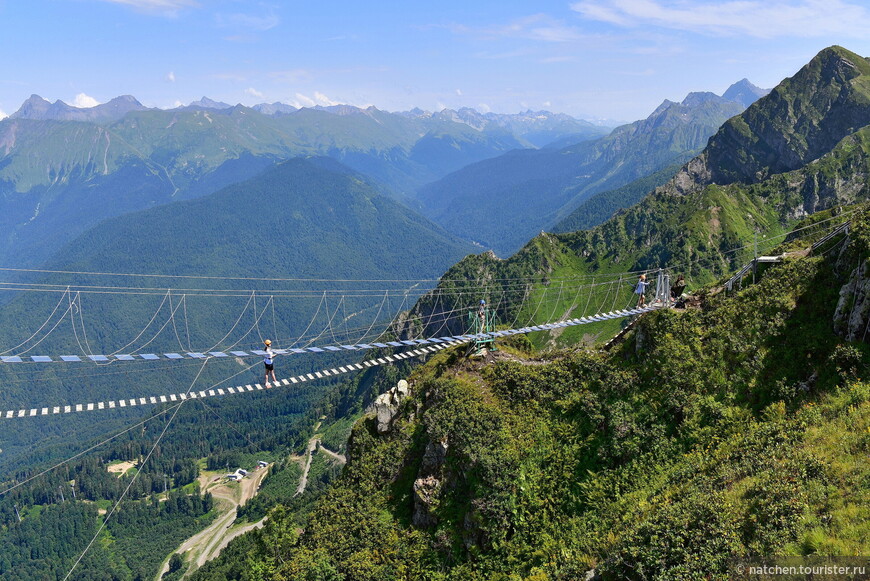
(481, 326)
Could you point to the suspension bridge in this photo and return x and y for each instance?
(411, 348)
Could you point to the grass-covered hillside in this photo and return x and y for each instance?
(739, 428)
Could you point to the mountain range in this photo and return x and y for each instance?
(532, 190)
(63, 169)
(736, 427)
(705, 217)
(297, 235)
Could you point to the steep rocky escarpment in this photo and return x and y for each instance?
(852, 317)
(801, 119)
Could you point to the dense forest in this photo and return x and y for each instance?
(131, 546)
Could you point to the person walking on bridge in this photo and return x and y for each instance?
(269, 362)
(640, 291)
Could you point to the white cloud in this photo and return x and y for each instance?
(558, 59)
(483, 108)
(458, 92)
(253, 92)
(83, 101)
(161, 7)
(248, 21)
(170, 76)
(303, 101)
(317, 99)
(3, 115)
(756, 18)
(547, 104)
(324, 100)
(535, 27)
(507, 55)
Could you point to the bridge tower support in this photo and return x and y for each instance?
(663, 288)
(478, 325)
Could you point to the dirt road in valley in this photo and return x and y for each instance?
(208, 543)
(341, 459)
(303, 482)
(314, 443)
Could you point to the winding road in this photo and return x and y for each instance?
(208, 543)
(309, 452)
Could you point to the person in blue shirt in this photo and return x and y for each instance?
(269, 362)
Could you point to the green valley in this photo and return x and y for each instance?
(532, 190)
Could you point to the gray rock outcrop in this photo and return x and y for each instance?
(428, 485)
(386, 406)
(852, 317)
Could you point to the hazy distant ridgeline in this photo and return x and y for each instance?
(501, 202)
(63, 169)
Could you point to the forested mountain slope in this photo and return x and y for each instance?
(64, 169)
(691, 224)
(736, 429)
(276, 256)
(601, 206)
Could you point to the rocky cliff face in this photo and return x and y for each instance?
(801, 119)
(852, 317)
(386, 406)
(429, 482)
(431, 475)
(837, 178)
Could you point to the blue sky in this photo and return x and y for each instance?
(615, 59)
